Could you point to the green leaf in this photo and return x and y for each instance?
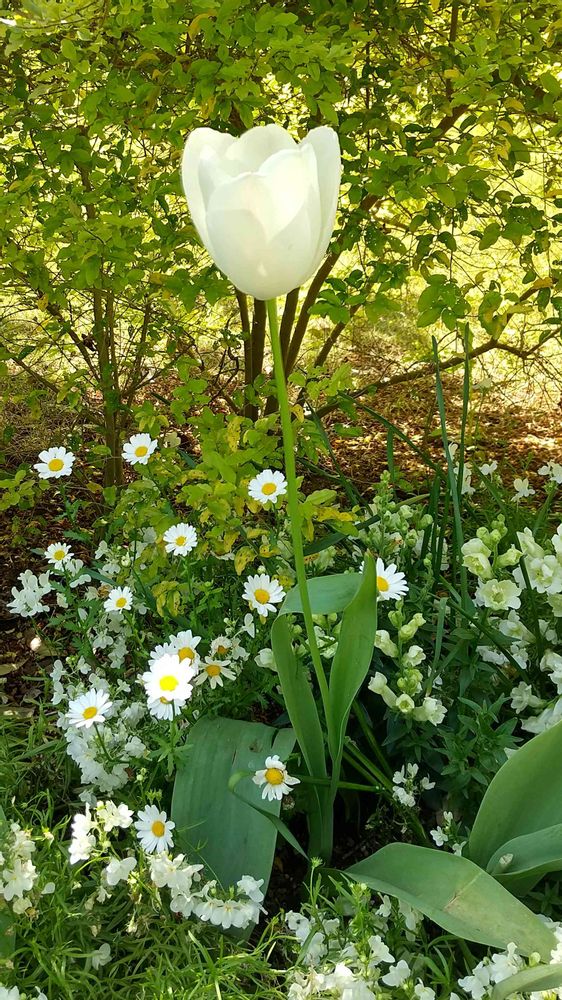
(7, 928)
(351, 663)
(536, 979)
(298, 698)
(457, 895)
(231, 836)
(524, 796)
(490, 236)
(328, 594)
(531, 856)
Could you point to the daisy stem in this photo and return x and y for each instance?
(293, 499)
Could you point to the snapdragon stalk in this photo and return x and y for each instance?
(293, 499)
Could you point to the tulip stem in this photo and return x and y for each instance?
(293, 499)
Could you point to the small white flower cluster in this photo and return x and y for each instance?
(447, 834)
(189, 894)
(357, 960)
(406, 784)
(491, 970)
(28, 600)
(18, 874)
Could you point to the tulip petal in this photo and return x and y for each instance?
(325, 144)
(201, 143)
(263, 227)
(256, 146)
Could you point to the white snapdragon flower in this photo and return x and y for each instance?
(522, 489)
(499, 595)
(476, 558)
(118, 870)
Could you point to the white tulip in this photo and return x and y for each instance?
(263, 205)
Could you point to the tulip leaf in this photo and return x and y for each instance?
(231, 836)
(534, 980)
(526, 859)
(523, 797)
(351, 663)
(299, 698)
(457, 895)
(328, 594)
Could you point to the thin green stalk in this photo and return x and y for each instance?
(293, 500)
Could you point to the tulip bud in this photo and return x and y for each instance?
(264, 206)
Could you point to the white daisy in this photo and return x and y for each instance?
(88, 708)
(138, 449)
(54, 463)
(161, 708)
(262, 593)
(58, 553)
(185, 645)
(119, 599)
(168, 679)
(274, 778)
(180, 539)
(391, 585)
(222, 646)
(213, 671)
(154, 830)
(267, 487)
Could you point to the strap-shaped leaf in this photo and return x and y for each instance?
(457, 895)
(523, 797)
(521, 862)
(353, 657)
(231, 838)
(327, 594)
(299, 699)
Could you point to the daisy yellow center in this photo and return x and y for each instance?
(221, 650)
(261, 595)
(59, 554)
(89, 712)
(274, 776)
(56, 464)
(213, 669)
(180, 540)
(382, 584)
(158, 828)
(168, 682)
(186, 653)
(141, 451)
(268, 489)
(120, 602)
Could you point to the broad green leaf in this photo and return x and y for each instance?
(523, 797)
(227, 834)
(327, 594)
(457, 895)
(537, 979)
(299, 698)
(527, 859)
(351, 663)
